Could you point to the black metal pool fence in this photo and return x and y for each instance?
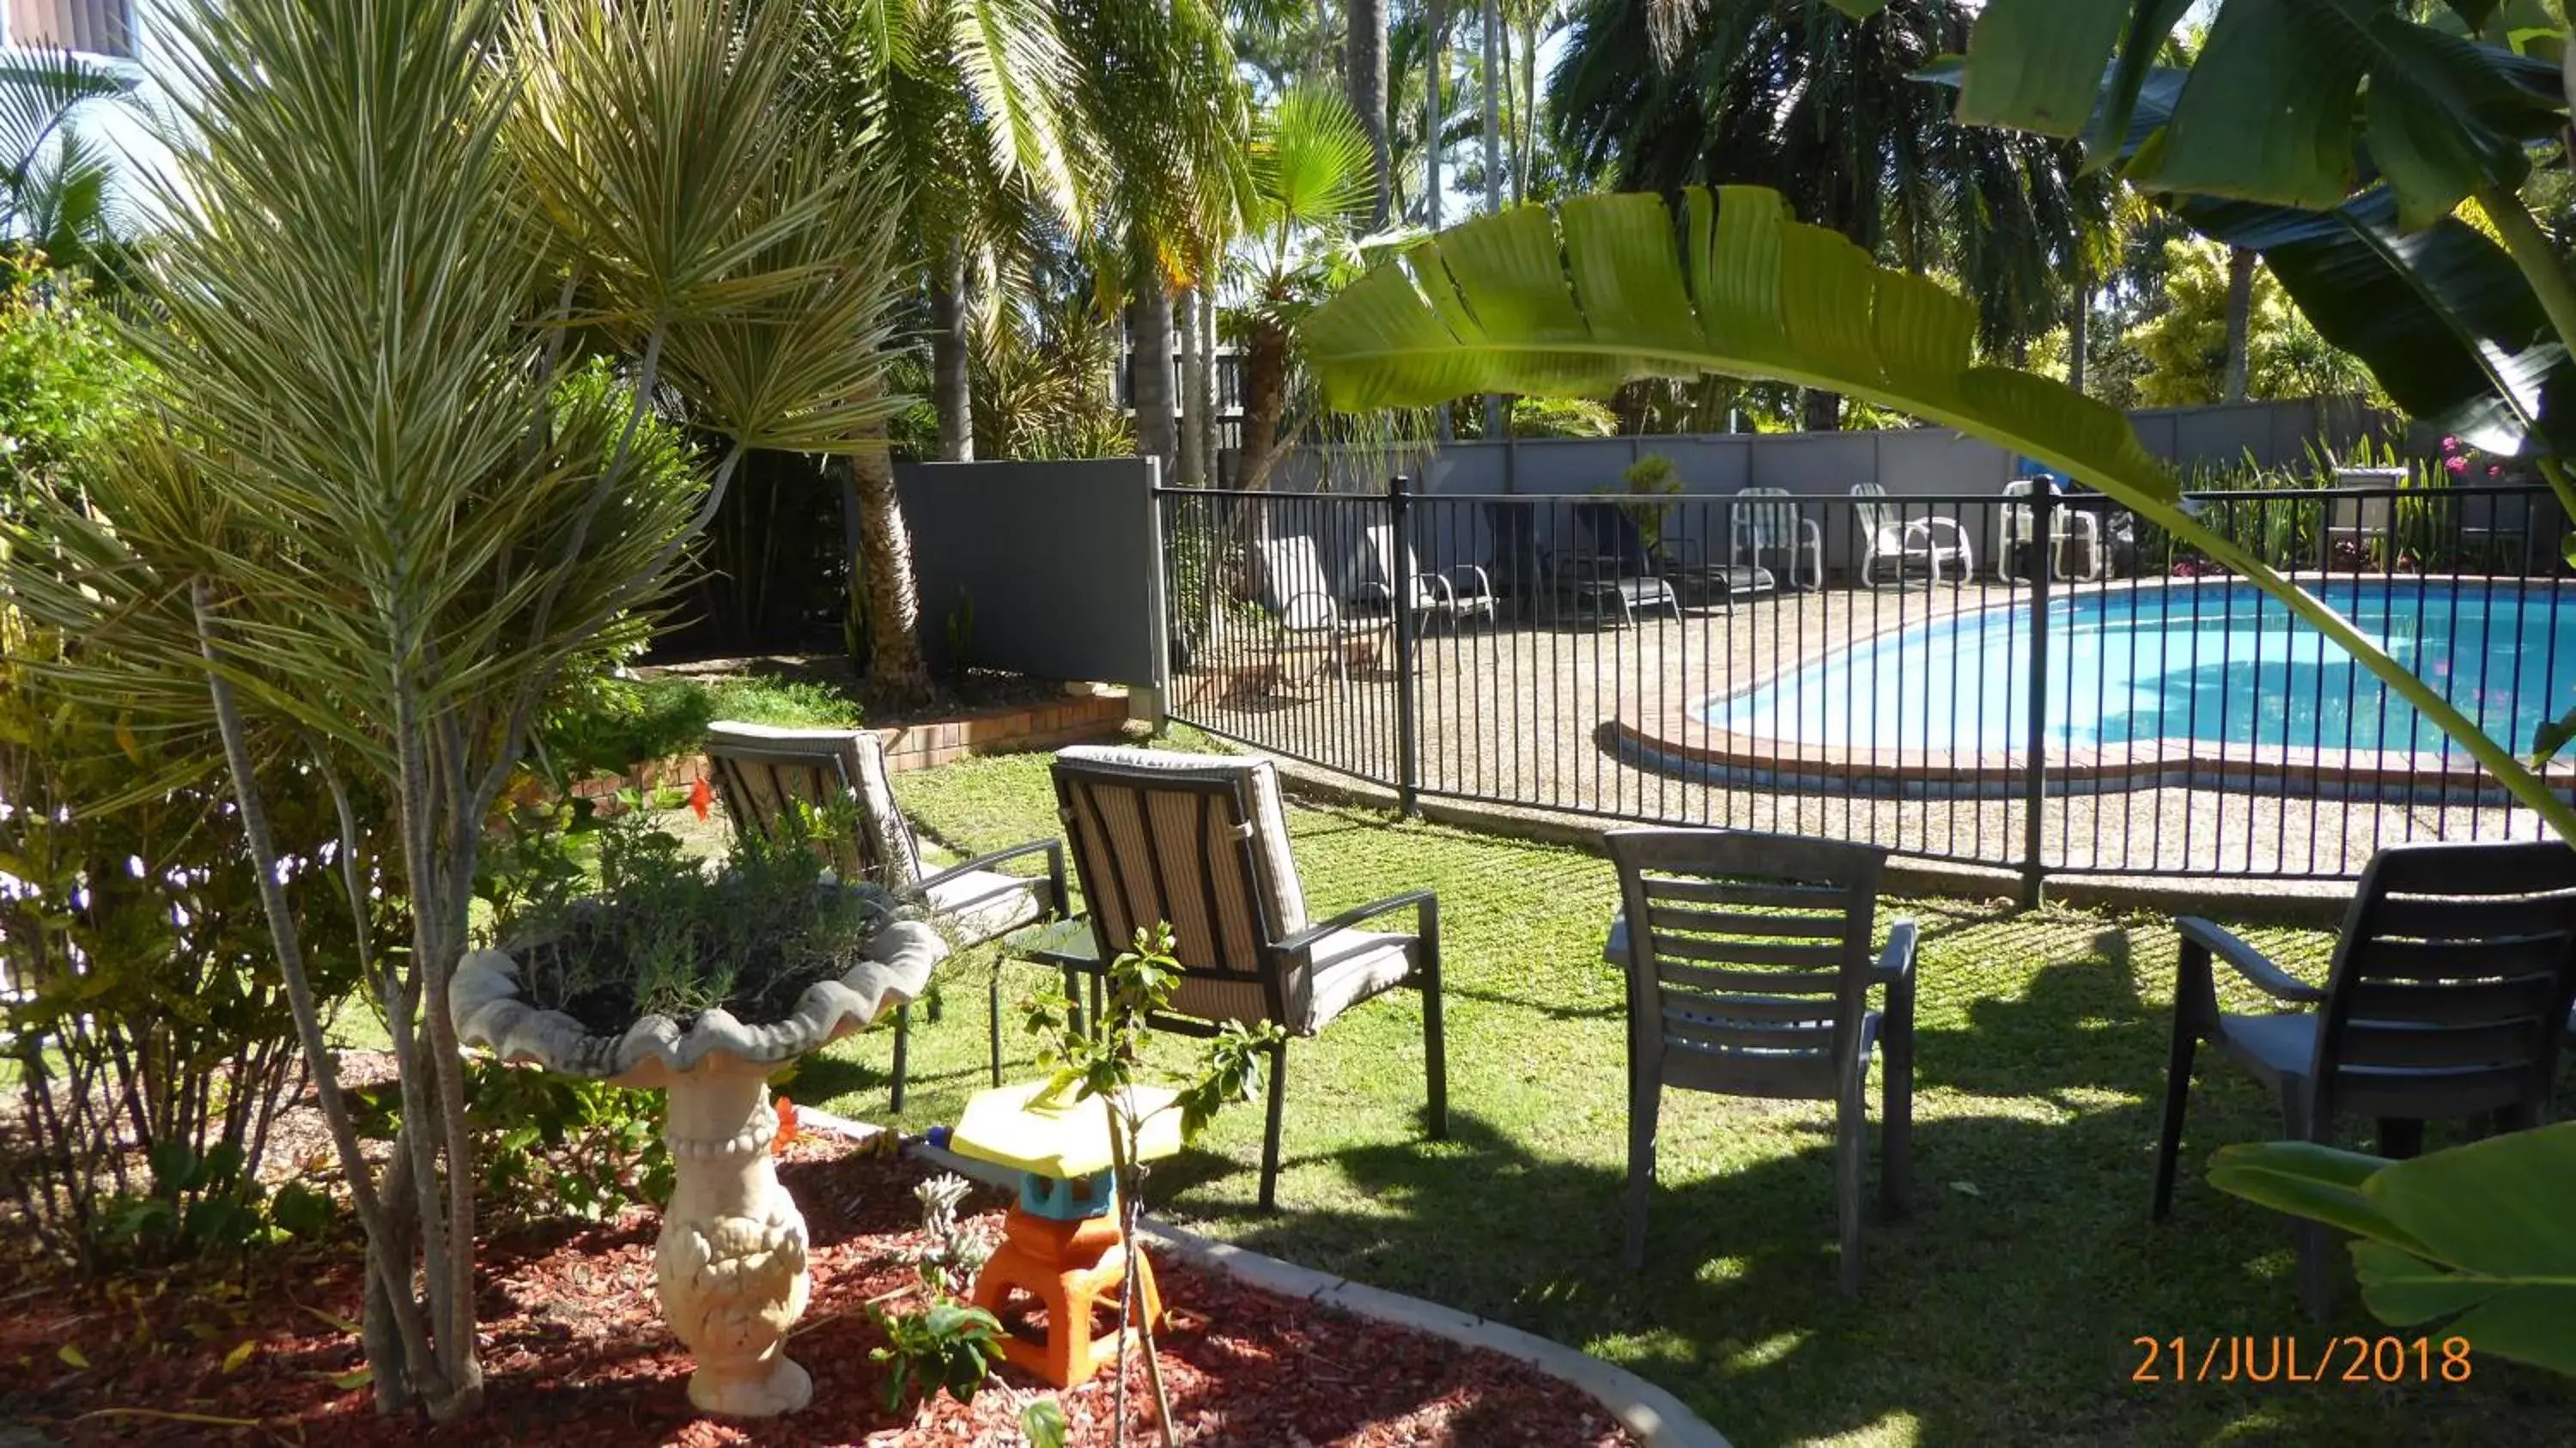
(2036, 680)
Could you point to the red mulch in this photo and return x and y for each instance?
(575, 1352)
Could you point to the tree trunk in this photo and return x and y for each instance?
(895, 672)
(1192, 471)
(1210, 439)
(1495, 80)
(950, 389)
(1364, 54)
(1435, 71)
(1152, 361)
(2079, 330)
(1528, 112)
(1265, 397)
(1823, 410)
(2240, 318)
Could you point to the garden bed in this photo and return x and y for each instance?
(576, 1351)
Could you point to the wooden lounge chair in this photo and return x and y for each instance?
(1749, 973)
(763, 771)
(2447, 996)
(1201, 841)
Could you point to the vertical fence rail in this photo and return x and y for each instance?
(2040, 683)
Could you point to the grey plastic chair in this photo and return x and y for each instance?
(1201, 842)
(1749, 973)
(762, 771)
(1769, 528)
(2448, 993)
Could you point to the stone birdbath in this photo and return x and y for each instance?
(730, 1264)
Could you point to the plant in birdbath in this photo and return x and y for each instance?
(706, 983)
(1103, 1056)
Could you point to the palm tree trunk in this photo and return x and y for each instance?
(2240, 318)
(2079, 329)
(1209, 438)
(1528, 112)
(895, 672)
(951, 391)
(1151, 316)
(1265, 398)
(1495, 80)
(1823, 410)
(1435, 70)
(1193, 461)
(1364, 51)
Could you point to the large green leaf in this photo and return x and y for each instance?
(1614, 288)
(2294, 102)
(2478, 1234)
(2440, 314)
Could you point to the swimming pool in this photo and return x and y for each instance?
(2217, 662)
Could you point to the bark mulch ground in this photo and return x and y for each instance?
(576, 1354)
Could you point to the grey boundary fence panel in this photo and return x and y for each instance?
(1916, 462)
(1057, 560)
(2105, 705)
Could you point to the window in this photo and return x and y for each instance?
(97, 27)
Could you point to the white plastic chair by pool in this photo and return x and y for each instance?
(1887, 536)
(1758, 530)
(2070, 531)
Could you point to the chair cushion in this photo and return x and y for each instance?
(888, 850)
(2274, 1047)
(1349, 967)
(979, 905)
(1281, 891)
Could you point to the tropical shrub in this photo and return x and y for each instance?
(149, 1042)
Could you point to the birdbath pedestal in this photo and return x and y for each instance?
(731, 1261)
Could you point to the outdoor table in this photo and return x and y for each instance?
(1067, 947)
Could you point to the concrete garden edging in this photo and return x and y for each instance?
(1659, 1419)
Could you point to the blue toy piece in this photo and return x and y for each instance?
(1059, 1200)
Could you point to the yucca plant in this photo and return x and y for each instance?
(430, 266)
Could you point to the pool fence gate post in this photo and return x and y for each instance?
(2043, 551)
(1408, 748)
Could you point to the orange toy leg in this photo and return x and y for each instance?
(1074, 1271)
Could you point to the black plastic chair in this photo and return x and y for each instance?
(1749, 973)
(2449, 991)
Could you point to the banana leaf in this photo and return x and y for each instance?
(1607, 289)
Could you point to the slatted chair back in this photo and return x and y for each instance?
(1877, 519)
(1200, 841)
(1749, 957)
(762, 772)
(1760, 527)
(2451, 983)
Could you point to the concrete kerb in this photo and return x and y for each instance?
(1659, 1419)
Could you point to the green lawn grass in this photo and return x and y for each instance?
(2003, 1312)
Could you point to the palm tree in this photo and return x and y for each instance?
(53, 182)
(1157, 90)
(1825, 109)
(429, 268)
(2240, 319)
(1364, 51)
(1312, 190)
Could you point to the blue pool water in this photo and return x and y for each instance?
(2220, 663)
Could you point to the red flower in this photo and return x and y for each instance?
(699, 797)
(2495, 470)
